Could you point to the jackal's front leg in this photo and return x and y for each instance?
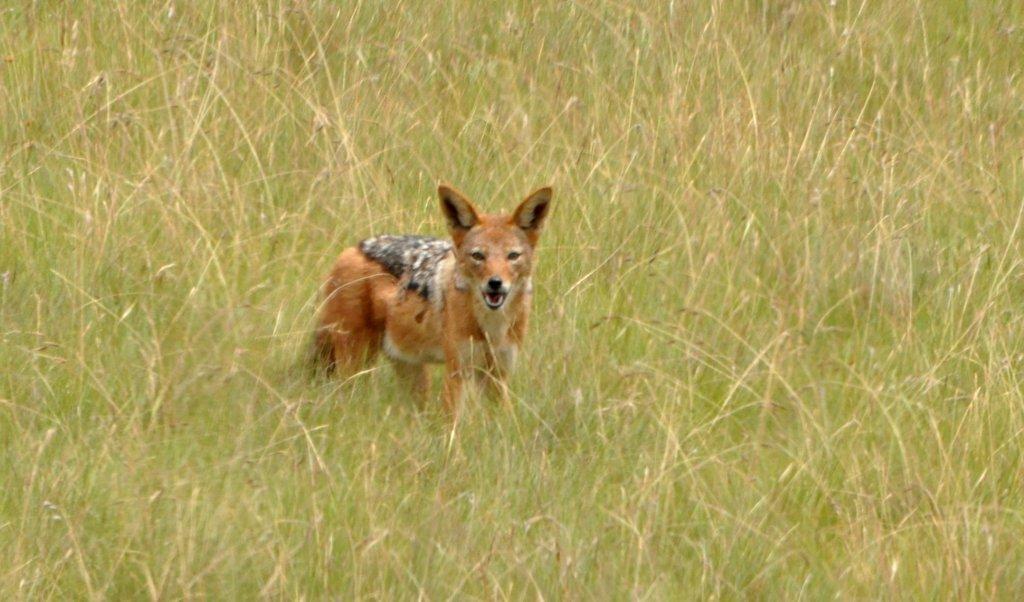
(495, 381)
(415, 378)
(500, 362)
(465, 369)
(457, 384)
(454, 383)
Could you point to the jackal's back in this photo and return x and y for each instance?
(414, 260)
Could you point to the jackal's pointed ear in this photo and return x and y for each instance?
(460, 213)
(530, 214)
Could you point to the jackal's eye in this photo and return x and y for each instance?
(477, 256)
(514, 255)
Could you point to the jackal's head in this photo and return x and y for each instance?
(494, 253)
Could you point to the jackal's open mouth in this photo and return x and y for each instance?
(494, 300)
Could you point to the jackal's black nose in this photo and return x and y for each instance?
(494, 284)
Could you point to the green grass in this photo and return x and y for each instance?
(778, 335)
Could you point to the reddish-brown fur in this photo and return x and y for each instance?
(365, 308)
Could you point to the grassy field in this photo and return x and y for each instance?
(777, 343)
